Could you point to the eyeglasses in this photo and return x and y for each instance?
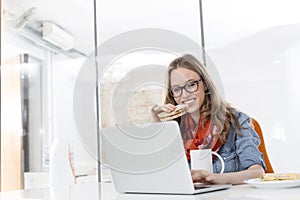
(190, 87)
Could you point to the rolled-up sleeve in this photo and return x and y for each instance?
(247, 146)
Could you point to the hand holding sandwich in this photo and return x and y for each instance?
(167, 112)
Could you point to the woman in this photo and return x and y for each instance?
(212, 123)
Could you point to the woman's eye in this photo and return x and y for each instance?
(191, 84)
(176, 90)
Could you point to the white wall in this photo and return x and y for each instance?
(118, 16)
(254, 45)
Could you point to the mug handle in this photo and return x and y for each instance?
(221, 159)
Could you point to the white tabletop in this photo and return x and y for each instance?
(106, 191)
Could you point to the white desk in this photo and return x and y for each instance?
(106, 191)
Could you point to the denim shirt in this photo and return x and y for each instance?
(240, 151)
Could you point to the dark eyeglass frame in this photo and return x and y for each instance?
(185, 88)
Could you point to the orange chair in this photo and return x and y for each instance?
(262, 146)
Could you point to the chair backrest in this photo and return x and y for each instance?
(262, 146)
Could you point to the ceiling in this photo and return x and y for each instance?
(225, 22)
(113, 17)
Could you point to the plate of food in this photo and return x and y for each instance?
(276, 180)
(177, 112)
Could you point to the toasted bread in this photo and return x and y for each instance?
(280, 176)
(179, 111)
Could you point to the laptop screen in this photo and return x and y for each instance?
(148, 159)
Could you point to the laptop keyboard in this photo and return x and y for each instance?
(201, 186)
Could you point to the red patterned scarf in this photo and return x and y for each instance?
(195, 136)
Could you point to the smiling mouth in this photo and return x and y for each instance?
(189, 102)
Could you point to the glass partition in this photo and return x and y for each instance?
(54, 42)
(136, 42)
(63, 41)
(104, 61)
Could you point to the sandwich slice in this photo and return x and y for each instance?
(280, 176)
(179, 111)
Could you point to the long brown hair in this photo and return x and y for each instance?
(221, 113)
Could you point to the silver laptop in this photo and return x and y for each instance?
(149, 158)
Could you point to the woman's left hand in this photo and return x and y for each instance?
(204, 176)
(239, 177)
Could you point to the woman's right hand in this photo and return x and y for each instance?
(156, 109)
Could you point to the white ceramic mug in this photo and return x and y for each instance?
(202, 159)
